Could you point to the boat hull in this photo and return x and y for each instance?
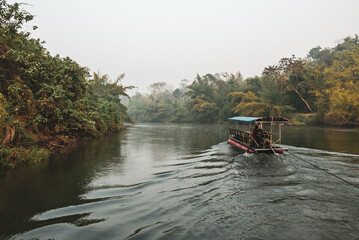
(245, 147)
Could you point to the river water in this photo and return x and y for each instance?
(172, 181)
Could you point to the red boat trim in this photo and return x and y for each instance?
(242, 146)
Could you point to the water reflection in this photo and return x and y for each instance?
(184, 182)
(331, 139)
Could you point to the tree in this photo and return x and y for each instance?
(253, 84)
(157, 88)
(248, 104)
(289, 74)
(345, 103)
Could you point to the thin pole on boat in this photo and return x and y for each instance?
(280, 133)
(271, 131)
(276, 154)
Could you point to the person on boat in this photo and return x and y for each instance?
(256, 133)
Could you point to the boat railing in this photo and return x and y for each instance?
(238, 134)
(242, 136)
(245, 136)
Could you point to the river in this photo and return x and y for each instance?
(183, 181)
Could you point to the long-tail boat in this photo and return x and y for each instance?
(257, 140)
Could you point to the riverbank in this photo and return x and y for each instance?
(45, 147)
(311, 119)
(295, 119)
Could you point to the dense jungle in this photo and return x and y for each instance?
(321, 89)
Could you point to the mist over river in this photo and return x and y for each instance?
(183, 181)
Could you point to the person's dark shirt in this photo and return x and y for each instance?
(255, 132)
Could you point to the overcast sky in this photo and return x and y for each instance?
(171, 40)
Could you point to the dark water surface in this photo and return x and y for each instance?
(184, 181)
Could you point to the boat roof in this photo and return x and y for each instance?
(243, 119)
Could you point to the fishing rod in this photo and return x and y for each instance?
(354, 185)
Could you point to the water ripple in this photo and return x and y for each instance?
(214, 193)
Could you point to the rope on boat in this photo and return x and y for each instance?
(322, 169)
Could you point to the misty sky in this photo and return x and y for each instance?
(171, 40)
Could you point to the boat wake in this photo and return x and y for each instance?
(216, 193)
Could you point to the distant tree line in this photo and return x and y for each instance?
(46, 101)
(322, 88)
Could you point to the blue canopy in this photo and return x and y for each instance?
(244, 119)
(271, 120)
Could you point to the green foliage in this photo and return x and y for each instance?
(208, 99)
(248, 104)
(45, 100)
(304, 119)
(12, 17)
(322, 89)
(345, 102)
(335, 83)
(13, 156)
(161, 105)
